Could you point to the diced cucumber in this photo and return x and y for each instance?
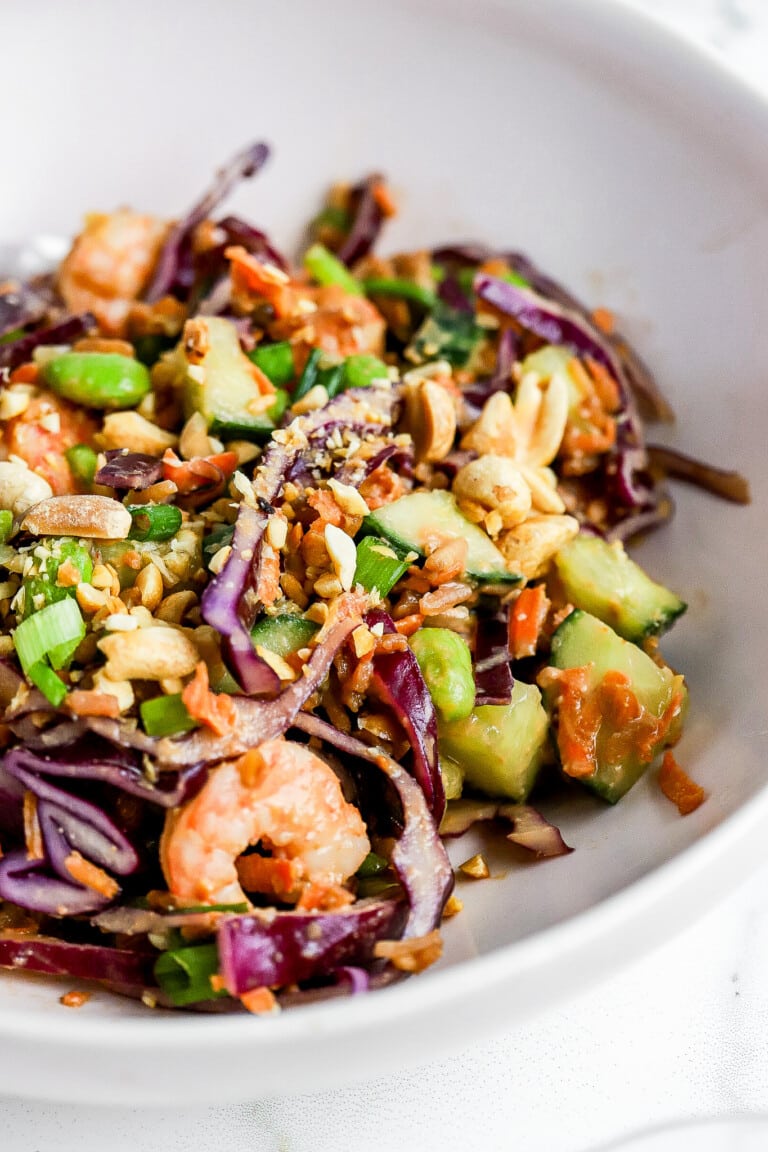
(283, 634)
(584, 641)
(416, 520)
(499, 748)
(223, 388)
(600, 578)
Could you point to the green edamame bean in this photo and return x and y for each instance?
(97, 379)
(446, 665)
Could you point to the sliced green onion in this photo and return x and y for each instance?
(217, 538)
(402, 289)
(332, 379)
(515, 278)
(9, 337)
(361, 370)
(6, 524)
(240, 909)
(378, 565)
(154, 521)
(308, 378)
(82, 462)
(373, 865)
(332, 217)
(275, 361)
(50, 635)
(44, 678)
(184, 974)
(382, 887)
(283, 634)
(166, 716)
(326, 268)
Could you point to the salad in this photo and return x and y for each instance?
(302, 568)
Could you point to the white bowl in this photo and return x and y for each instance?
(634, 170)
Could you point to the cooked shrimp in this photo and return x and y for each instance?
(109, 264)
(324, 317)
(280, 795)
(41, 435)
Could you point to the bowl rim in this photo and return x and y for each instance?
(629, 911)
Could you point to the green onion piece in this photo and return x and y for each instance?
(308, 378)
(332, 217)
(283, 634)
(275, 361)
(42, 589)
(515, 278)
(6, 524)
(332, 379)
(150, 348)
(184, 974)
(154, 521)
(326, 268)
(44, 678)
(50, 635)
(378, 565)
(240, 909)
(82, 462)
(9, 337)
(371, 866)
(402, 289)
(382, 887)
(217, 538)
(361, 370)
(166, 716)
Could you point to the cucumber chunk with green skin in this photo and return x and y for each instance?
(601, 579)
(583, 641)
(499, 748)
(222, 386)
(283, 634)
(416, 520)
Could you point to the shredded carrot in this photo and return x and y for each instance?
(260, 1001)
(618, 702)
(33, 837)
(74, 999)
(659, 729)
(578, 719)
(409, 624)
(268, 875)
(581, 377)
(268, 587)
(90, 876)
(604, 320)
(381, 487)
(391, 642)
(263, 382)
(25, 374)
(252, 277)
(678, 787)
(606, 387)
(200, 472)
(526, 621)
(385, 201)
(84, 702)
(216, 710)
(319, 897)
(328, 511)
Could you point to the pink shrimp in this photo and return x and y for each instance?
(109, 264)
(279, 795)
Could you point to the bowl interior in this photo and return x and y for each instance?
(627, 167)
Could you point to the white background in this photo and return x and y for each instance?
(684, 1034)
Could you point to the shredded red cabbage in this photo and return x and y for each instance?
(17, 352)
(174, 273)
(117, 966)
(124, 469)
(493, 676)
(367, 219)
(398, 683)
(276, 948)
(418, 856)
(530, 830)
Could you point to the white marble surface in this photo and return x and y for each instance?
(681, 1035)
